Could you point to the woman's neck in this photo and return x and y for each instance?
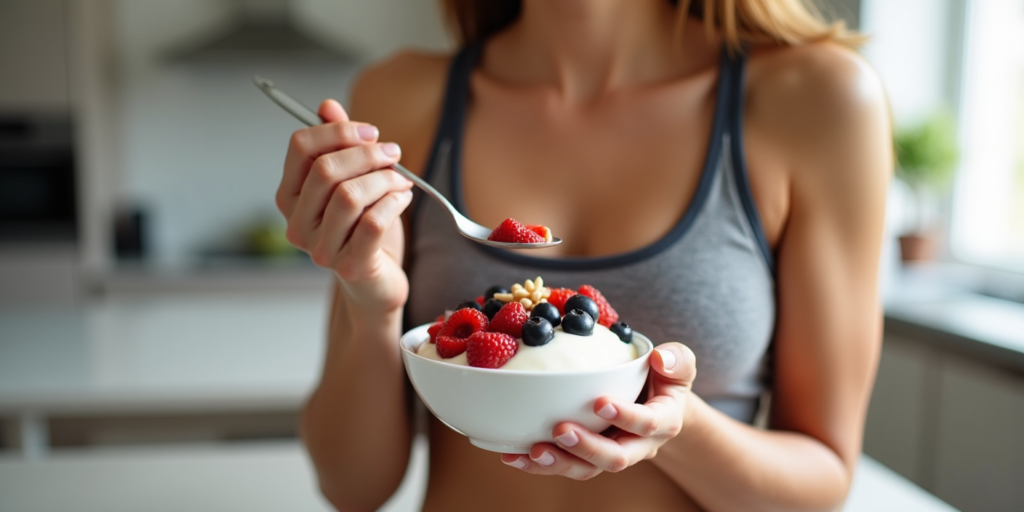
(583, 48)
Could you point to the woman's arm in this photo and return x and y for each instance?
(356, 424)
(826, 110)
(829, 319)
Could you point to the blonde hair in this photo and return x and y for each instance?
(741, 23)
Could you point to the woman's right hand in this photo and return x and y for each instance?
(342, 202)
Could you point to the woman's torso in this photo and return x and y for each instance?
(699, 271)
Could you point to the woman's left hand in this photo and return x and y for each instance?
(639, 430)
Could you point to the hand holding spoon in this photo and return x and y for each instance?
(466, 227)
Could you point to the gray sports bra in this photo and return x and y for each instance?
(708, 283)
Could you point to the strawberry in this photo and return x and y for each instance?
(509, 320)
(490, 349)
(543, 231)
(511, 231)
(608, 314)
(432, 331)
(558, 298)
(451, 338)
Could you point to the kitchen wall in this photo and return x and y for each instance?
(196, 145)
(201, 148)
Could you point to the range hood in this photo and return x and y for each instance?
(259, 30)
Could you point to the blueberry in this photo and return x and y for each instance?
(548, 312)
(578, 322)
(471, 304)
(623, 331)
(585, 303)
(537, 331)
(491, 307)
(489, 294)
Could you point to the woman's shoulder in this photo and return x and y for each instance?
(815, 98)
(815, 82)
(815, 75)
(402, 96)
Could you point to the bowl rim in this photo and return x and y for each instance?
(409, 351)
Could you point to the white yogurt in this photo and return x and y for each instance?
(566, 352)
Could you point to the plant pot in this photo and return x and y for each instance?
(918, 247)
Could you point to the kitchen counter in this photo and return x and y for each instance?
(278, 476)
(157, 354)
(947, 407)
(985, 329)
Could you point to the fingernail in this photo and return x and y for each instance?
(519, 463)
(667, 358)
(391, 149)
(608, 412)
(568, 439)
(545, 459)
(367, 132)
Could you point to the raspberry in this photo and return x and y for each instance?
(450, 346)
(543, 231)
(608, 314)
(490, 349)
(558, 298)
(509, 320)
(511, 231)
(480, 300)
(432, 331)
(451, 338)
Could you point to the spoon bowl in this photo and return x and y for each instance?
(466, 227)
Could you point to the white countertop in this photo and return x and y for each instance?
(174, 352)
(277, 476)
(204, 352)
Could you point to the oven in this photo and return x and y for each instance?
(38, 198)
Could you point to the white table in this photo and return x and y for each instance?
(188, 353)
(276, 476)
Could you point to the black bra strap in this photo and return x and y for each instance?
(456, 94)
(737, 74)
(738, 67)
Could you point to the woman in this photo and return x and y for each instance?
(717, 169)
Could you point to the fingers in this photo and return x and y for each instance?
(661, 416)
(546, 459)
(675, 363)
(375, 194)
(308, 144)
(332, 112)
(641, 428)
(330, 172)
(369, 233)
(611, 455)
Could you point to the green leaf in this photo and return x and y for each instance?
(927, 153)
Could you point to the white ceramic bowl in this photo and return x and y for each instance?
(509, 410)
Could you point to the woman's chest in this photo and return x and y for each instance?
(607, 178)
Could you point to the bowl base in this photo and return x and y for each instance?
(500, 448)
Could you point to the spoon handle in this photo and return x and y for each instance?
(310, 118)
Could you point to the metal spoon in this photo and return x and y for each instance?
(466, 227)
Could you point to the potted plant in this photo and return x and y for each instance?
(926, 154)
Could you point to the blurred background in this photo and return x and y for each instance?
(158, 335)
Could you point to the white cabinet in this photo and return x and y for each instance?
(979, 442)
(33, 56)
(897, 411)
(953, 426)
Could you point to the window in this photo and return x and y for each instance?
(988, 208)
